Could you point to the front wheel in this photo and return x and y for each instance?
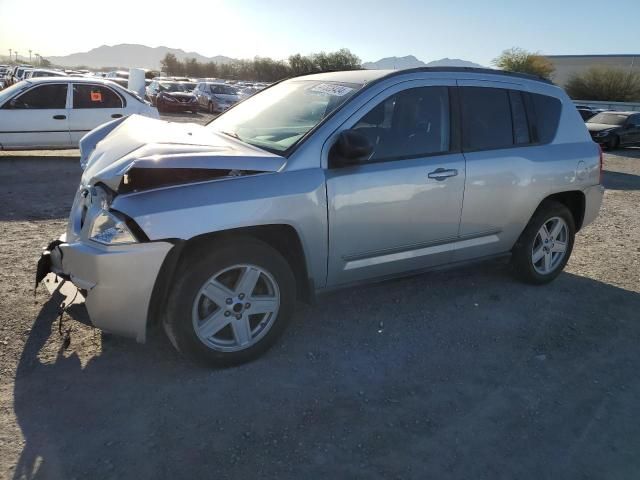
(231, 302)
(544, 248)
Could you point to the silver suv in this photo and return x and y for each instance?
(316, 183)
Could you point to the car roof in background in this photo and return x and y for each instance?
(616, 112)
(219, 83)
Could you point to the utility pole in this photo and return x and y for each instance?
(16, 56)
(29, 56)
(10, 53)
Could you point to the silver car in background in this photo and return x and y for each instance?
(317, 183)
(216, 97)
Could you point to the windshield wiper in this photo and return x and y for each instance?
(232, 135)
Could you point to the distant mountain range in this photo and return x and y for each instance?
(402, 63)
(128, 55)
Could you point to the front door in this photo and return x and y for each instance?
(399, 211)
(36, 118)
(92, 105)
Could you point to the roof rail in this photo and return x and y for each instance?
(489, 71)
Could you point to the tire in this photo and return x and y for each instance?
(614, 143)
(210, 109)
(238, 334)
(526, 260)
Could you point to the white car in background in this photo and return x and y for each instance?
(40, 72)
(56, 112)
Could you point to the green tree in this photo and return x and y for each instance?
(171, 65)
(44, 62)
(300, 65)
(519, 60)
(606, 84)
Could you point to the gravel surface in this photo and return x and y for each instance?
(458, 374)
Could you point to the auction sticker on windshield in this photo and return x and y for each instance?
(331, 89)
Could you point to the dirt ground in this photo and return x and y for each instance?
(462, 374)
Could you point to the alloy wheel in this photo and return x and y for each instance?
(235, 308)
(550, 245)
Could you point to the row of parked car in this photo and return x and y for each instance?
(213, 96)
(14, 74)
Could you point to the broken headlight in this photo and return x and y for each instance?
(109, 228)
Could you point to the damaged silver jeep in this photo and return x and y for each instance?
(316, 183)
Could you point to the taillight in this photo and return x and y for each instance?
(601, 163)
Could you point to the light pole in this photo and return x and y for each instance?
(10, 53)
(29, 56)
(16, 56)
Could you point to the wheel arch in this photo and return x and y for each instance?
(282, 237)
(574, 200)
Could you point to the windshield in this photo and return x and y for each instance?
(277, 118)
(224, 90)
(174, 87)
(608, 119)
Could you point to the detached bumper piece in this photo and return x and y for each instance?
(44, 264)
(115, 282)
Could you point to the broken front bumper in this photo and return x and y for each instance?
(115, 281)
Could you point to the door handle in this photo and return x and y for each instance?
(443, 173)
(59, 117)
(116, 115)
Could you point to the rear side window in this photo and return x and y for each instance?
(95, 96)
(547, 114)
(43, 97)
(486, 118)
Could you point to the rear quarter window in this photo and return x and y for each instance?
(547, 116)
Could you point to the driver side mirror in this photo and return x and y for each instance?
(351, 148)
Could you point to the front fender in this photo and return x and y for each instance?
(294, 198)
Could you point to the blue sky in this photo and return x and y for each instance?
(472, 30)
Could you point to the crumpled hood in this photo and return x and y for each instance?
(146, 143)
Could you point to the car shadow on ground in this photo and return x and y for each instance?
(620, 181)
(462, 374)
(629, 152)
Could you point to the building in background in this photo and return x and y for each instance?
(567, 65)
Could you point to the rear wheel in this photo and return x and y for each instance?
(544, 248)
(231, 302)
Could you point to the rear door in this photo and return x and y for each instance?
(505, 161)
(36, 118)
(93, 105)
